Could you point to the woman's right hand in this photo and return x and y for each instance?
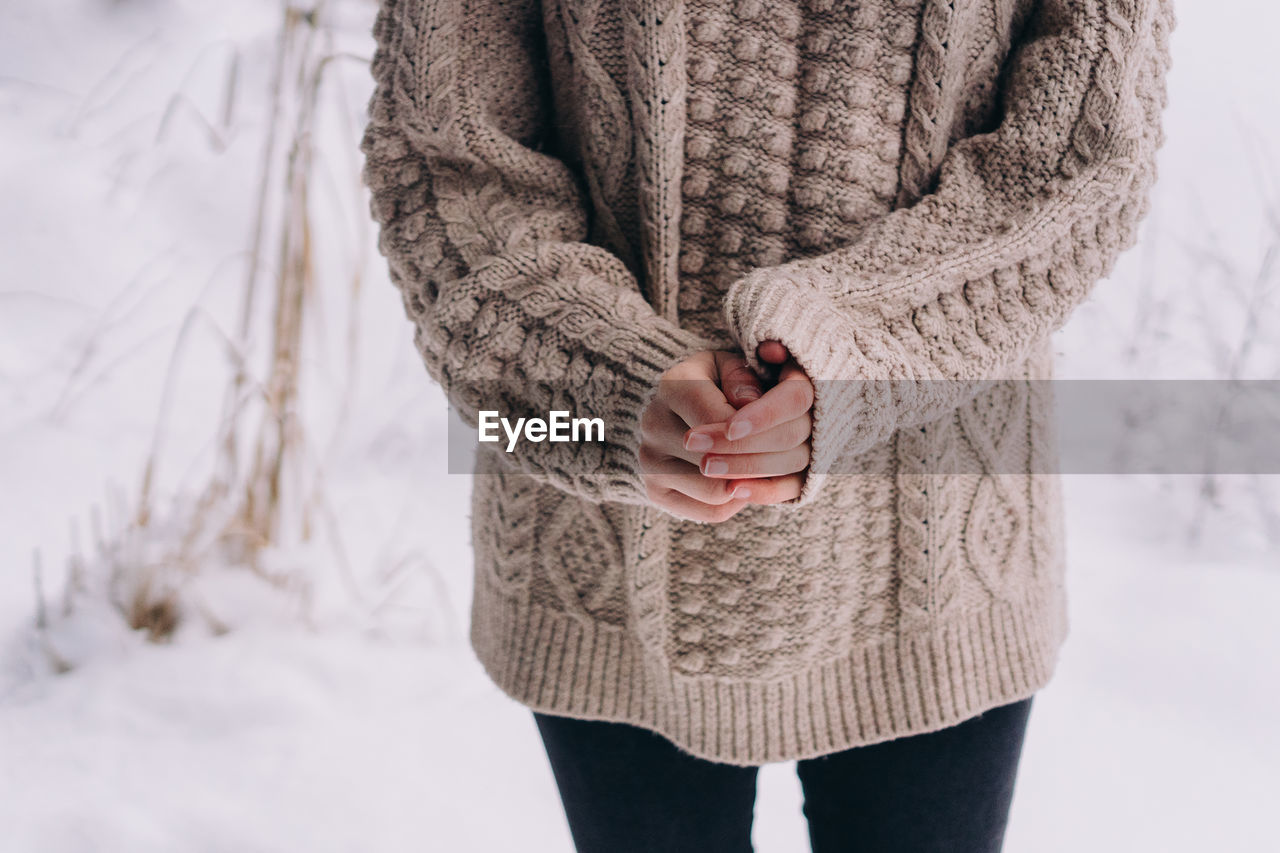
(706, 388)
(763, 451)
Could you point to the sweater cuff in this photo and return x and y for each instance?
(661, 347)
(852, 407)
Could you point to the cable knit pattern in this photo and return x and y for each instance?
(912, 195)
(485, 237)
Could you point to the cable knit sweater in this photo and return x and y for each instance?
(574, 195)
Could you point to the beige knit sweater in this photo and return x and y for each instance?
(573, 195)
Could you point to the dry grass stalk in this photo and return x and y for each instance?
(237, 513)
(272, 498)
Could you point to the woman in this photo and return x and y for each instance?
(802, 260)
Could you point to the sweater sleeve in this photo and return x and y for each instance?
(934, 300)
(484, 231)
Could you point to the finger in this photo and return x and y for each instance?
(711, 438)
(685, 507)
(769, 490)
(665, 472)
(772, 351)
(663, 431)
(697, 401)
(790, 398)
(737, 380)
(736, 465)
(791, 369)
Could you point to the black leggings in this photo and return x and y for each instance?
(626, 789)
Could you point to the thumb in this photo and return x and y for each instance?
(772, 352)
(738, 381)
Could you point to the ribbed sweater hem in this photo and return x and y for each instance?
(553, 662)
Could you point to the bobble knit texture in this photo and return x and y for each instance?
(574, 195)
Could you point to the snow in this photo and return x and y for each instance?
(342, 710)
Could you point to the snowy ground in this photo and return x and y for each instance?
(364, 723)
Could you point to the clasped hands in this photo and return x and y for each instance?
(714, 440)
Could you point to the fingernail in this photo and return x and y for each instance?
(737, 430)
(715, 466)
(746, 392)
(698, 441)
(741, 493)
